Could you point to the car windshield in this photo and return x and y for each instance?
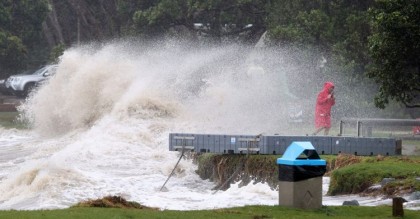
(40, 71)
(49, 68)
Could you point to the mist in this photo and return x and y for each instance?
(218, 89)
(100, 124)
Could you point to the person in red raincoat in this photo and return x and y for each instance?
(324, 102)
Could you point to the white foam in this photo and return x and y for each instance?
(101, 127)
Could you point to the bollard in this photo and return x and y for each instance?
(397, 207)
(300, 176)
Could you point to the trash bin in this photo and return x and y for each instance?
(300, 176)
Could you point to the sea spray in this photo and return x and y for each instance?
(213, 84)
(101, 124)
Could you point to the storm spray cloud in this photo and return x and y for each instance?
(101, 123)
(229, 89)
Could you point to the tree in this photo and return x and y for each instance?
(125, 13)
(335, 30)
(20, 30)
(395, 49)
(300, 23)
(216, 19)
(338, 29)
(12, 51)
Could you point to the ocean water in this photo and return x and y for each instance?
(100, 127)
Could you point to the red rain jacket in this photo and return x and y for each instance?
(323, 107)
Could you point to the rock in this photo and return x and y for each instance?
(351, 203)
(386, 181)
(415, 196)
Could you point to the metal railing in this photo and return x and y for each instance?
(371, 122)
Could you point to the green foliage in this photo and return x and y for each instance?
(205, 165)
(20, 28)
(316, 25)
(395, 49)
(56, 52)
(339, 29)
(157, 18)
(27, 17)
(12, 50)
(336, 30)
(218, 18)
(125, 13)
(311, 27)
(282, 23)
(352, 35)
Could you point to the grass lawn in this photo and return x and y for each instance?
(358, 177)
(252, 212)
(9, 120)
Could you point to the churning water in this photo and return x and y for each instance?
(100, 126)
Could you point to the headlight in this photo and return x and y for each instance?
(17, 80)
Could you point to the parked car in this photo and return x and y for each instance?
(22, 84)
(5, 88)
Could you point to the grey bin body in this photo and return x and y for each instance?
(300, 176)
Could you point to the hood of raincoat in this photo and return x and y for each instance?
(328, 85)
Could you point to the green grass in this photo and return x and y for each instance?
(251, 212)
(9, 120)
(358, 177)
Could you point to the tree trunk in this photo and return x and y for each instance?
(51, 28)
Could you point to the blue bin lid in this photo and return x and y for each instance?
(292, 153)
